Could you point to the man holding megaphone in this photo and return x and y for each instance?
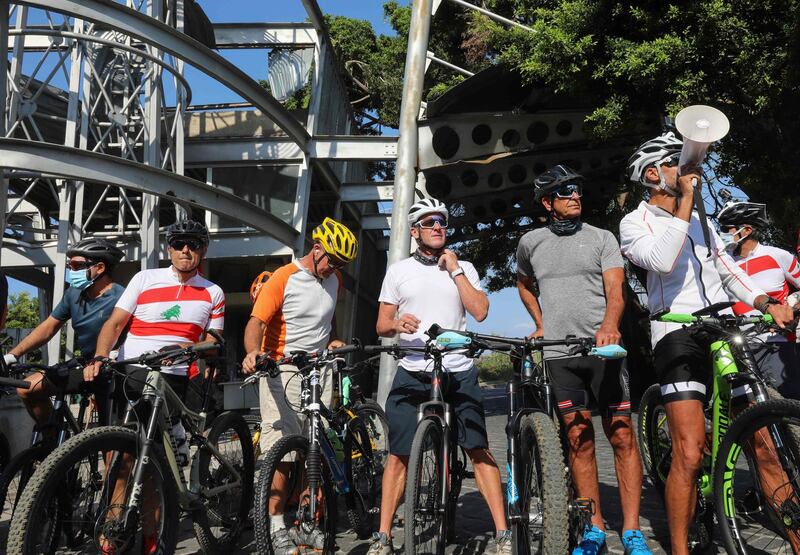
(688, 269)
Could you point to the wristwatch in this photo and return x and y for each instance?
(456, 273)
(762, 307)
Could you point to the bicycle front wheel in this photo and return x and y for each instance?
(15, 477)
(541, 489)
(83, 487)
(226, 512)
(283, 509)
(757, 480)
(425, 513)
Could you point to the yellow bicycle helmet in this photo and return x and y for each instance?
(336, 239)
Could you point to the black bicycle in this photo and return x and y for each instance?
(545, 515)
(302, 474)
(122, 487)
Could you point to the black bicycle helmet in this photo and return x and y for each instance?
(737, 214)
(552, 179)
(96, 249)
(187, 229)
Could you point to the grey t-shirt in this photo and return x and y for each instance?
(569, 272)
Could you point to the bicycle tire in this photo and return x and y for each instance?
(425, 497)
(281, 450)
(5, 452)
(543, 482)
(219, 527)
(729, 508)
(364, 472)
(13, 480)
(53, 476)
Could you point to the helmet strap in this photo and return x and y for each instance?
(428, 251)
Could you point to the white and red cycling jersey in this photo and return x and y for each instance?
(165, 311)
(774, 270)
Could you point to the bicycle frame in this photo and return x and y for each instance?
(158, 392)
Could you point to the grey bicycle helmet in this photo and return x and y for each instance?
(651, 152)
(737, 214)
(99, 250)
(187, 229)
(553, 178)
(426, 206)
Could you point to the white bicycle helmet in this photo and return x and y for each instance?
(651, 152)
(426, 206)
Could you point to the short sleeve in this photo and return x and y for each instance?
(389, 293)
(524, 266)
(472, 275)
(62, 310)
(270, 298)
(130, 297)
(610, 255)
(217, 319)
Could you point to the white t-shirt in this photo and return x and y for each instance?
(166, 312)
(430, 294)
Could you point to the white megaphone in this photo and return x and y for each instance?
(699, 126)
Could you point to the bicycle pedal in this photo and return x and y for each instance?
(469, 474)
(585, 504)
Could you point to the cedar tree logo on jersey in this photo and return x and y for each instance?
(172, 312)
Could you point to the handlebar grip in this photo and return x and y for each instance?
(377, 348)
(11, 382)
(345, 350)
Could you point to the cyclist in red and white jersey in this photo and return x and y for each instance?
(776, 271)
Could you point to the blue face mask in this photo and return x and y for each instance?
(79, 279)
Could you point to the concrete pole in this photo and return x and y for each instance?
(407, 147)
(3, 92)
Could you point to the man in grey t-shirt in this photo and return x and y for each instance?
(578, 271)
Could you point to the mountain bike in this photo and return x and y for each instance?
(61, 425)
(750, 477)
(301, 474)
(437, 465)
(122, 486)
(544, 514)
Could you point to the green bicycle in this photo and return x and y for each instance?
(750, 478)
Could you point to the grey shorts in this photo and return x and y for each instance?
(410, 389)
(780, 364)
(279, 418)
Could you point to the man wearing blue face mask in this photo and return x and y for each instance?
(88, 304)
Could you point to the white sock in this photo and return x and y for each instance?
(276, 523)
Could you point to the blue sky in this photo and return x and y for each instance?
(506, 314)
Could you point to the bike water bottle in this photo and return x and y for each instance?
(527, 369)
(336, 443)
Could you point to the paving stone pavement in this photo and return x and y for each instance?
(475, 530)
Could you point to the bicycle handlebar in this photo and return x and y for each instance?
(154, 359)
(268, 367)
(11, 382)
(507, 343)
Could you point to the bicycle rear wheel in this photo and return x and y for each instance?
(542, 490)
(425, 515)
(283, 490)
(364, 460)
(226, 513)
(82, 487)
(757, 480)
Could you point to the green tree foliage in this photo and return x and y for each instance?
(494, 367)
(23, 311)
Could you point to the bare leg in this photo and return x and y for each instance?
(487, 477)
(393, 485)
(688, 434)
(628, 466)
(582, 462)
(37, 399)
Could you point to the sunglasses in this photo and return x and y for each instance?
(670, 161)
(566, 191)
(80, 264)
(333, 263)
(193, 244)
(430, 223)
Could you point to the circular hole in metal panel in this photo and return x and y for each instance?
(469, 178)
(481, 134)
(564, 127)
(537, 132)
(517, 174)
(539, 167)
(498, 206)
(438, 185)
(445, 142)
(495, 180)
(511, 138)
(479, 212)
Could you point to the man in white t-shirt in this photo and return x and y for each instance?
(433, 287)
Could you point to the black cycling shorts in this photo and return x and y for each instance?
(587, 383)
(461, 390)
(682, 363)
(130, 386)
(102, 388)
(780, 364)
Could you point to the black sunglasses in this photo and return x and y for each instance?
(671, 161)
(193, 244)
(566, 191)
(333, 263)
(80, 264)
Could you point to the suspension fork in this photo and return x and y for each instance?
(512, 470)
(314, 462)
